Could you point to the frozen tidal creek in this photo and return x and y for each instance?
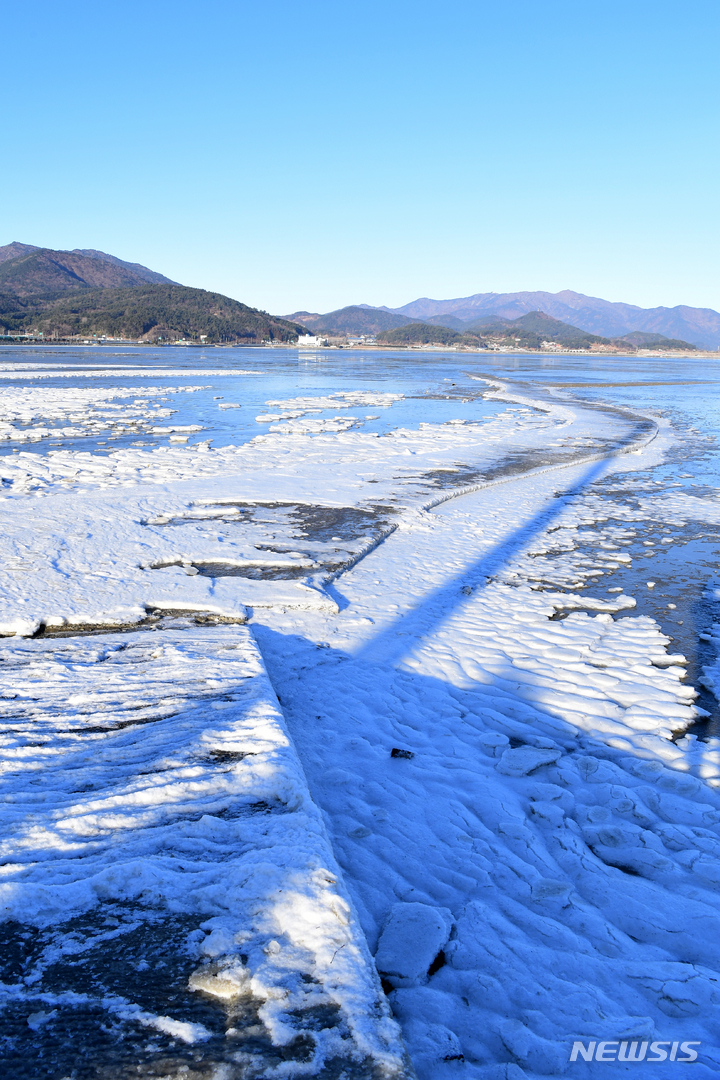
(359, 715)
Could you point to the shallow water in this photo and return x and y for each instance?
(430, 393)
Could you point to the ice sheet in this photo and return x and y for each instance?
(77, 548)
(155, 812)
(575, 844)
(83, 411)
(543, 806)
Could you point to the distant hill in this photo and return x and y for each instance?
(447, 320)
(527, 332)
(532, 329)
(349, 320)
(42, 271)
(420, 333)
(701, 326)
(144, 312)
(642, 340)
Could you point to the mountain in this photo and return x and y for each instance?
(642, 340)
(450, 321)
(527, 332)
(701, 326)
(26, 270)
(144, 312)
(356, 319)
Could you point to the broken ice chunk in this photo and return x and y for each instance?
(522, 760)
(413, 936)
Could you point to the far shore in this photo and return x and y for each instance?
(646, 354)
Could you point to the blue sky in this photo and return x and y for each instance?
(308, 155)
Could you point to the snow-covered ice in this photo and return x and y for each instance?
(575, 845)
(154, 807)
(83, 411)
(93, 555)
(538, 861)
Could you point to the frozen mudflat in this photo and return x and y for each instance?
(490, 772)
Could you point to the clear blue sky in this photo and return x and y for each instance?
(307, 154)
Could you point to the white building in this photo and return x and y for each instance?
(310, 341)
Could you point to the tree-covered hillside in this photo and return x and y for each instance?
(147, 312)
(42, 272)
(642, 340)
(424, 334)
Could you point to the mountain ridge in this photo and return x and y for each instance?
(33, 269)
(699, 326)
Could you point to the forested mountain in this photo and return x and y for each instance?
(12, 251)
(532, 329)
(642, 340)
(88, 293)
(145, 312)
(419, 333)
(151, 276)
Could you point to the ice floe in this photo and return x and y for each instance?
(83, 411)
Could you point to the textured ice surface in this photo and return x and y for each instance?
(552, 823)
(78, 548)
(81, 411)
(575, 844)
(411, 942)
(168, 892)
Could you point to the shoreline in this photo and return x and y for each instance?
(648, 354)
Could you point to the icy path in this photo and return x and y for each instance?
(565, 851)
(171, 904)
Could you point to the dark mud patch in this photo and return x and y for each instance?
(457, 476)
(86, 995)
(157, 619)
(310, 520)
(348, 522)
(255, 572)
(300, 526)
